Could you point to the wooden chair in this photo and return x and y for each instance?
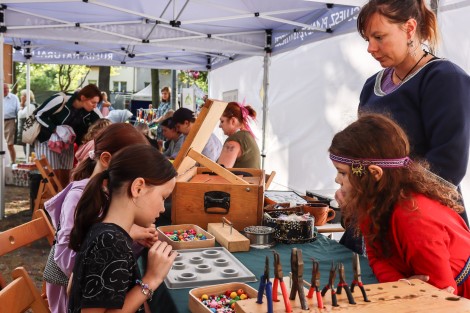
(50, 184)
(25, 234)
(21, 295)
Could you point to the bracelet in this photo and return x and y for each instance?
(145, 288)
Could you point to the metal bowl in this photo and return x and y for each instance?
(260, 235)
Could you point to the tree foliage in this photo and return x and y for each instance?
(194, 77)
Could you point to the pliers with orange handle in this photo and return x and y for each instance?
(315, 284)
(278, 280)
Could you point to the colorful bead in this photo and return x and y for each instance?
(185, 235)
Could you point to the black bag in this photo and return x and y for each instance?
(52, 272)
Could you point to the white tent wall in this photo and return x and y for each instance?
(313, 93)
(455, 45)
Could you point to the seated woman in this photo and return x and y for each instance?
(240, 149)
(175, 138)
(408, 216)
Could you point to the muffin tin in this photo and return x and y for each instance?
(201, 267)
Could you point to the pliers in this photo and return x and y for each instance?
(278, 280)
(342, 284)
(297, 265)
(315, 284)
(331, 285)
(357, 276)
(265, 286)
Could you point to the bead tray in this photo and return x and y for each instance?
(202, 267)
(178, 245)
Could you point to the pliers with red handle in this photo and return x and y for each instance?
(278, 280)
(315, 284)
(297, 267)
(357, 276)
(331, 285)
(343, 284)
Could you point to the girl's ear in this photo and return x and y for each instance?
(137, 186)
(376, 171)
(105, 158)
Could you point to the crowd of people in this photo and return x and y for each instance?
(398, 166)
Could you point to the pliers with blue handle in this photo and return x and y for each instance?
(265, 287)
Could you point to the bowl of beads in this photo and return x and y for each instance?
(185, 236)
(219, 298)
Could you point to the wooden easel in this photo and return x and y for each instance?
(196, 140)
(49, 185)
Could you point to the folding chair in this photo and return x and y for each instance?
(50, 184)
(25, 234)
(21, 295)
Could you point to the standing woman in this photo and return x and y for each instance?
(427, 96)
(26, 109)
(240, 149)
(164, 111)
(79, 112)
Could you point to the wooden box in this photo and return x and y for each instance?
(229, 238)
(206, 194)
(196, 306)
(207, 198)
(177, 245)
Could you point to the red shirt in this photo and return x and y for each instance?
(427, 238)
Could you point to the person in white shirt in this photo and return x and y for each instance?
(26, 109)
(11, 106)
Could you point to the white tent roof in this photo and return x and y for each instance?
(177, 34)
(144, 94)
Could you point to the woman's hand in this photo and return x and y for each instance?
(145, 236)
(159, 261)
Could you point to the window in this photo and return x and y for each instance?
(119, 86)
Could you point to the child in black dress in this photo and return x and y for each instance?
(131, 191)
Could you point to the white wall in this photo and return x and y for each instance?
(313, 93)
(455, 46)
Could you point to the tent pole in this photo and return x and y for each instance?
(2, 125)
(28, 98)
(266, 64)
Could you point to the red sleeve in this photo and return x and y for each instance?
(382, 268)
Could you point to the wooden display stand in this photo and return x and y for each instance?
(385, 298)
(206, 194)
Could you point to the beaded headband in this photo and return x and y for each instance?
(358, 166)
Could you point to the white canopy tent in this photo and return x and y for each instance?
(310, 86)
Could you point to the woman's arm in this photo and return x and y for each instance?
(230, 152)
(47, 110)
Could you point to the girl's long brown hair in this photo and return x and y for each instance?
(111, 139)
(374, 136)
(126, 165)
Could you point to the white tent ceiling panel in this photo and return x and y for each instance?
(211, 30)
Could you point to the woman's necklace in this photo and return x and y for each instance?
(414, 66)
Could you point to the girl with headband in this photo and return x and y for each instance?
(408, 216)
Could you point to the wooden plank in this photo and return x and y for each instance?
(216, 168)
(233, 241)
(419, 297)
(201, 130)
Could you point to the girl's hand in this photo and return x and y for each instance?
(339, 198)
(159, 261)
(424, 278)
(145, 236)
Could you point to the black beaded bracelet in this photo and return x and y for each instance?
(145, 289)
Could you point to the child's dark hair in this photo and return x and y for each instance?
(115, 137)
(126, 165)
(168, 123)
(374, 136)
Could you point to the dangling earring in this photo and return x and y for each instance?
(411, 50)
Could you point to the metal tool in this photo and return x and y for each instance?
(357, 276)
(297, 267)
(265, 287)
(278, 280)
(343, 284)
(315, 284)
(226, 221)
(331, 285)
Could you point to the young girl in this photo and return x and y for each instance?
(61, 208)
(131, 191)
(408, 216)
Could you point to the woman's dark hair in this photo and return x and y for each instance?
(374, 136)
(111, 139)
(126, 165)
(400, 11)
(168, 123)
(90, 91)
